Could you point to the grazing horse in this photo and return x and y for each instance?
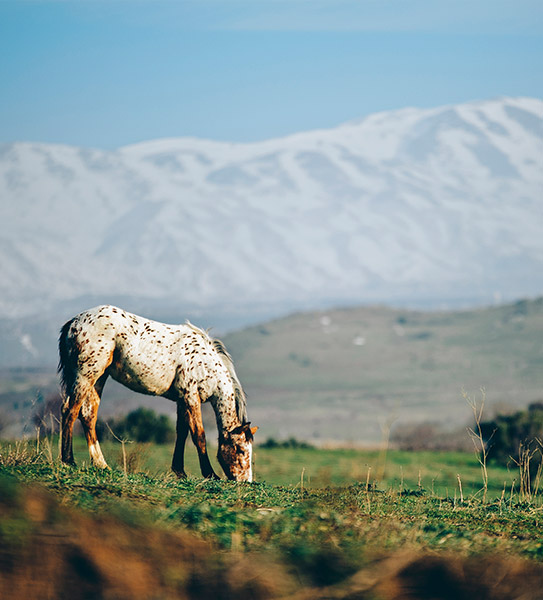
(180, 362)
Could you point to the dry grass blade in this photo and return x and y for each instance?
(476, 435)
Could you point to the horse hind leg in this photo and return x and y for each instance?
(88, 416)
(82, 366)
(70, 410)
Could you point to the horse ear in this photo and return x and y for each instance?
(245, 428)
(240, 429)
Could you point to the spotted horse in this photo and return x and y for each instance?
(180, 362)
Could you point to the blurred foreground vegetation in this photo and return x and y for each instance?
(321, 520)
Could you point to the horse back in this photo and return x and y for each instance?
(139, 353)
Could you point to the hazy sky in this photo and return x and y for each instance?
(111, 73)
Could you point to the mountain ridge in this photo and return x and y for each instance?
(412, 206)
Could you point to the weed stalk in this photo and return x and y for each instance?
(481, 448)
(460, 488)
(123, 443)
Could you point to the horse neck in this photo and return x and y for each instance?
(225, 412)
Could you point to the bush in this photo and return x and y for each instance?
(505, 435)
(141, 425)
(290, 443)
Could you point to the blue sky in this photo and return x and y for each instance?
(105, 74)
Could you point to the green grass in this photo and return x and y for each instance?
(413, 499)
(434, 472)
(319, 535)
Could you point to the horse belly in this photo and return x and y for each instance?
(144, 376)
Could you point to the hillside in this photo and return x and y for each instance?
(414, 207)
(343, 374)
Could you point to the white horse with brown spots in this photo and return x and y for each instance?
(180, 362)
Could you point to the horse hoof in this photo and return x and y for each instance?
(101, 465)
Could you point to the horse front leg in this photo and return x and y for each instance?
(196, 427)
(182, 429)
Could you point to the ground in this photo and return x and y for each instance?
(84, 533)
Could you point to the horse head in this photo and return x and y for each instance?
(236, 452)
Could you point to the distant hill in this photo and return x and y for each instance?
(341, 375)
(344, 374)
(415, 207)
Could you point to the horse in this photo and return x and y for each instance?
(179, 362)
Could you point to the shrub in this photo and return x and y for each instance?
(507, 436)
(290, 443)
(141, 425)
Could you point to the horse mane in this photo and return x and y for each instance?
(220, 348)
(239, 394)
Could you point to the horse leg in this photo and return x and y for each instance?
(182, 429)
(88, 416)
(196, 427)
(70, 410)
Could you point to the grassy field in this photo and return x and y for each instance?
(434, 472)
(321, 520)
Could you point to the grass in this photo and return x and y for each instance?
(436, 473)
(334, 522)
(347, 497)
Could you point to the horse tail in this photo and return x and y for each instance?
(67, 365)
(239, 394)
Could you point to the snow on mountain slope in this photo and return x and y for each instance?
(406, 206)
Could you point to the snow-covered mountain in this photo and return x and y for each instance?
(411, 206)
